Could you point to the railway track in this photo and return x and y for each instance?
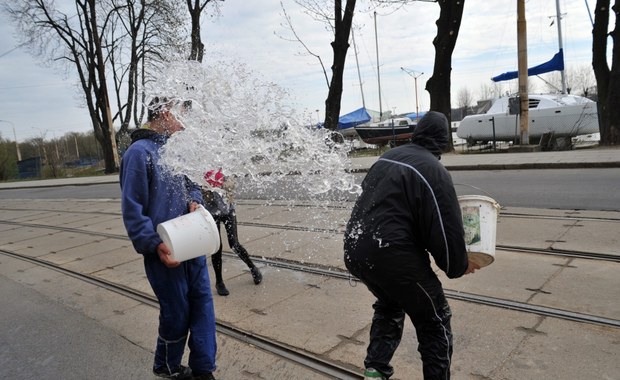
(338, 273)
(313, 362)
(511, 248)
(294, 279)
(572, 215)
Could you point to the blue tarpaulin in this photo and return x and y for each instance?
(359, 116)
(556, 63)
(416, 115)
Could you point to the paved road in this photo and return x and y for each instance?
(42, 339)
(584, 189)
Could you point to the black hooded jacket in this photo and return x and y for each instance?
(408, 202)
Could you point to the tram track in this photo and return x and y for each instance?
(511, 248)
(458, 295)
(544, 296)
(339, 273)
(308, 360)
(571, 215)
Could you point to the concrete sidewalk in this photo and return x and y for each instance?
(582, 158)
(330, 317)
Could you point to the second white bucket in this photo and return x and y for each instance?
(480, 224)
(190, 235)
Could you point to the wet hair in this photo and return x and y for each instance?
(157, 105)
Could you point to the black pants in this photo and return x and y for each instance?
(403, 283)
(230, 224)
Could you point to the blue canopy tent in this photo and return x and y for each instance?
(416, 115)
(556, 63)
(352, 119)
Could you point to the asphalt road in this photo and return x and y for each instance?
(587, 189)
(41, 339)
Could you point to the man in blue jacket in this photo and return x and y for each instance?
(151, 195)
(408, 209)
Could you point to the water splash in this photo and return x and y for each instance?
(250, 128)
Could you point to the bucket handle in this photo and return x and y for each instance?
(474, 187)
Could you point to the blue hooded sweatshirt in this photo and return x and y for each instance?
(150, 194)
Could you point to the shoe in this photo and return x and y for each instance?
(256, 275)
(373, 374)
(180, 373)
(204, 376)
(221, 289)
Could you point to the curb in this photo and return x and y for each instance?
(537, 165)
(466, 167)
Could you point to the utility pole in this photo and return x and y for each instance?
(77, 150)
(19, 155)
(415, 75)
(522, 54)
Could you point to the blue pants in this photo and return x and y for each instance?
(185, 307)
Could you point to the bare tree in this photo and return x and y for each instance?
(580, 80)
(607, 81)
(196, 7)
(296, 38)
(343, 20)
(140, 36)
(448, 25)
(339, 20)
(8, 163)
(488, 91)
(464, 99)
(75, 40)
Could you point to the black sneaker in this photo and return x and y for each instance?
(204, 376)
(180, 373)
(256, 275)
(221, 289)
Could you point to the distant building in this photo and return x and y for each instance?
(29, 168)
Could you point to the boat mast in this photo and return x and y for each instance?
(357, 62)
(559, 19)
(378, 73)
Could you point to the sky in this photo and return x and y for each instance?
(38, 101)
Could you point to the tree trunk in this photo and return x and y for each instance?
(438, 86)
(340, 47)
(599, 62)
(110, 153)
(197, 46)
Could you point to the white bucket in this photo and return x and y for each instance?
(190, 235)
(480, 224)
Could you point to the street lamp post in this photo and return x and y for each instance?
(19, 155)
(415, 75)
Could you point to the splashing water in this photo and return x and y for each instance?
(247, 127)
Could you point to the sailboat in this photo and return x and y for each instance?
(553, 118)
(558, 116)
(388, 129)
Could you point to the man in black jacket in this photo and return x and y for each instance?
(408, 209)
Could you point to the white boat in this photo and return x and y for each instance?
(553, 119)
(557, 115)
